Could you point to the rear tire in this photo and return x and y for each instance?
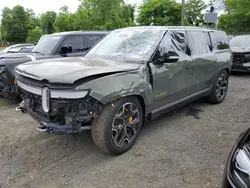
(220, 87)
(118, 125)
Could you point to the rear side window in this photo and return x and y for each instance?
(220, 40)
(92, 39)
(76, 41)
(197, 42)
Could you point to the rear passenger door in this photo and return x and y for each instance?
(203, 58)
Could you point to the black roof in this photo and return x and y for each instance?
(81, 32)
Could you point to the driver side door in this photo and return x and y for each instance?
(172, 75)
(76, 42)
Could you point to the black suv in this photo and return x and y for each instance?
(240, 47)
(65, 44)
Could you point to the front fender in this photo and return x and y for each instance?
(110, 88)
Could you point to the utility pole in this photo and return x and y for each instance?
(182, 12)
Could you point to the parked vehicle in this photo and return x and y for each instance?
(230, 37)
(237, 168)
(66, 44)
(132, 75)
(240, 47)
(18, 48)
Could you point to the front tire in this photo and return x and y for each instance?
(117, 127)
(220, 87)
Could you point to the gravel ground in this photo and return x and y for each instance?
(186, 148)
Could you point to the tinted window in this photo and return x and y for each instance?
(76, 41)
(220, 40)
(197, 42)
(208, 41)
(92, 39)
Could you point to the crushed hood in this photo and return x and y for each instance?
(69, 70)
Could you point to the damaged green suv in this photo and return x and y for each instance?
(132, 75)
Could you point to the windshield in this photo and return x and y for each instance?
(241, 42)
(47, 44)
(133, 45)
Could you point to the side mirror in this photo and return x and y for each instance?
(66, 49)
(168, 57)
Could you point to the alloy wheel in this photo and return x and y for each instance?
(125, 124)
(222, 85)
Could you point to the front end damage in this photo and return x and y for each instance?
(59, 111)
(241, 62)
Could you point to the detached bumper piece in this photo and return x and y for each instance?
(60, 129)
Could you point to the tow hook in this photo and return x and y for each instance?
(21, 108)
(42, 128)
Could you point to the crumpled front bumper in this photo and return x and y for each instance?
(60, 129)
(46, 125)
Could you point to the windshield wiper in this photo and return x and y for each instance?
(37, 52)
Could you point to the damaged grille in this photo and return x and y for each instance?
(34, 103)
(79, 111)
(239, 58)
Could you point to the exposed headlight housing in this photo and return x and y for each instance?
(2, 69)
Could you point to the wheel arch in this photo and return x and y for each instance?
(139, 96)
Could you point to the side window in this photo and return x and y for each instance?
(221, 40)
(197, 42)
(208, 41)
(173, 43)
(76, 41)
(91, 40)
(213, 39)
